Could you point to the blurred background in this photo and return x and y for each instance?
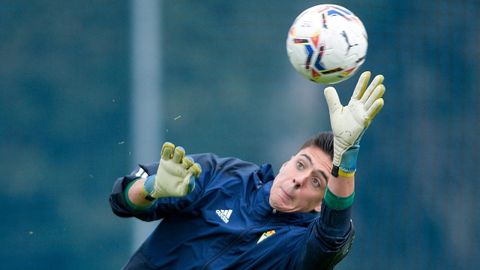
(90, 88)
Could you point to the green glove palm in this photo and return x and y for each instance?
(175, 174)
(350, 122)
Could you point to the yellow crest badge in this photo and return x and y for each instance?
(265, 235)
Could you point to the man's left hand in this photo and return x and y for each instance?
(350, 122)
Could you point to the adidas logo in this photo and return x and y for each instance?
(224, 214)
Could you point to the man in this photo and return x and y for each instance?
(224, 213)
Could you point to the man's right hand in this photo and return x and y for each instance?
(175, 174)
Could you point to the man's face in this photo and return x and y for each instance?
(301, 182)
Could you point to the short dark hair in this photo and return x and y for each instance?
(324, 141)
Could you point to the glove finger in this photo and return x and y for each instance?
(374, 109)
(178, 154)
(361, 85)
(195, 169)
(376, 81)
(333, 102)
(187, 162)
(167, 150)
(377, 93)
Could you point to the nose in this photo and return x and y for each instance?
(298, 182)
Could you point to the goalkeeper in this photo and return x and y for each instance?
(225, 213)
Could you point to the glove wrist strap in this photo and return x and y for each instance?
(149, 187)
(348, 163)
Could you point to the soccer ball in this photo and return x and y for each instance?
(327, 43)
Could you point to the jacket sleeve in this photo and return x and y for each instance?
(164, 206)
(328, 241)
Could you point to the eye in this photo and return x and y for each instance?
(300, 165)
(317, 183)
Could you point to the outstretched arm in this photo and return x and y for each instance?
(331, 236)
(348, 125)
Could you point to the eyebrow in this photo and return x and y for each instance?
(322, 173)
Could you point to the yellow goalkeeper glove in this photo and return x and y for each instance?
(350, 122)
(175, 174)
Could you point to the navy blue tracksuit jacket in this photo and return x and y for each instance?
(227, 223)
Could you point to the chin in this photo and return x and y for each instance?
(278, 206)
(283, 208)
